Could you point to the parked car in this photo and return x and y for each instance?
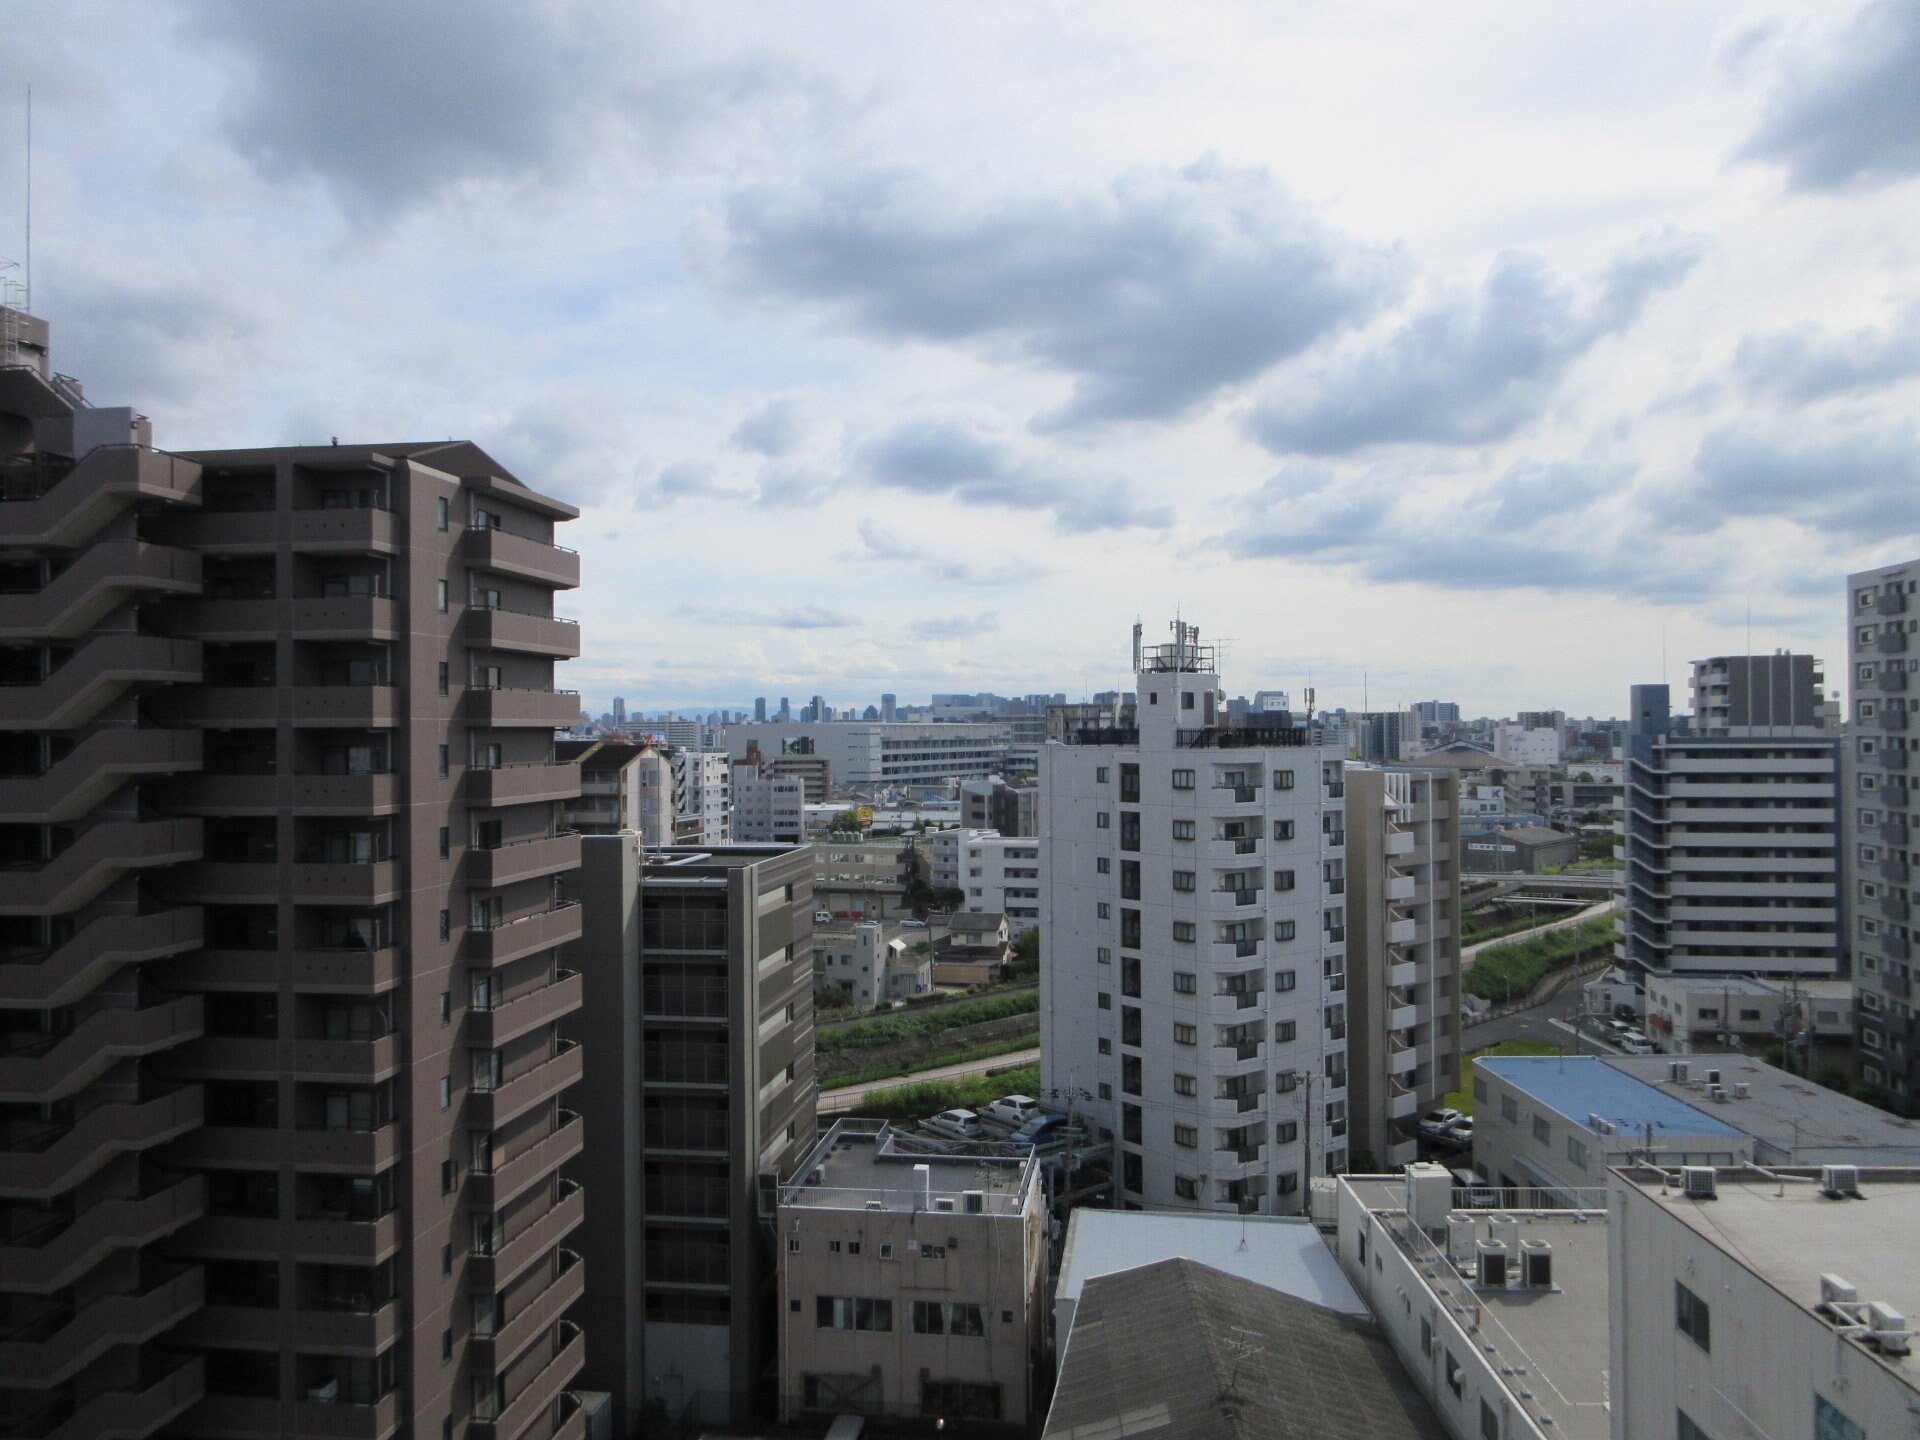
(823, 917)
(1042, 1129)
(1435, 1122)
(955, 1124)
(913, 924)
(1636, 1044)
(1460, 1132)
(1014, 1110)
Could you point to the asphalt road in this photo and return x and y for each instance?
(836, 1100)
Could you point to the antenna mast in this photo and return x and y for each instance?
(29, 267)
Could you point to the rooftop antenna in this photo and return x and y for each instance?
(1245, 1343)
(29, 266)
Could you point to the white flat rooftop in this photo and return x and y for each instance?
(1283, 1254)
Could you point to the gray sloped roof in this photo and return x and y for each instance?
(1179, 1351)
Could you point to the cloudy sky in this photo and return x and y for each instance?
(1474, 351)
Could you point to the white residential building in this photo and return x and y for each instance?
(703, 783)
(1189, 943)
(1001, 873)
(871, 962)
(1518, 745)
(1730, 834)
(946, 850)
(767, 809)
(869, 755)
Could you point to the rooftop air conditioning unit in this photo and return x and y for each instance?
(1742, 1090)
(1835, 1290)
(1713, 1077)
(1536, 1264)
(1605, 1127)
(876, 1204)
(1838, 1181)
(1493, 1265)
(1699, 1182)
(945, 1202)
(1888, 1329)
(976, 1201)
(1682, 1072)
(1717, 1092)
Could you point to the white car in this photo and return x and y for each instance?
(823, 917)
(913, 924)
(955, 1124)
(1435, 1122)
(1636, 1045)
(1013, 1110)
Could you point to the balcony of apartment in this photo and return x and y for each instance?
(99, 855)
(1403, 973)
(1229, 849)
(1231, 799)
(1893, 830)
(1891, 641)
(1893, 760)
(57, 1158)
(346, 882)
(166, 1386)
(1893, 945)
(1897, 985)
(227, 621)
(538, 1402)
(511, 1175)
(1229, 899)
(1893, 793)
(1401, 930)
(74, 507)
(345, 617)
(63, 973)
(527, 708)
(93, 769)
(1399, 888)
(55, 1348)
(1891, 718)
(528, 935)
(1895, 907)
(534, 1318)
(343, 970)
(499, 1261)
(523, 860)
(1891, 682)
(1232, 1006)
(239, 1417)
(53, 1068)
(358, 531)
(347, 1062)
(1238, 1057)
(1895, 870)
(1402, 1102)
(98, 581)
(1400, 842)
(58, 1253)
(497, 1023)
(534, 784)
(1402, 1013)
(343, 1151)
(1402, 1060)
(97, 674)
(491, 548)
(522, 633)
(341, 1323)
(492, 1106)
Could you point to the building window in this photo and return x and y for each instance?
(852, 1312)
(1285, 1082)
(947, 1317)
(1105, 1000)
(1685, 1429)
(1542, 1131)
(1187, 1137)
(1102, 865)
(446, 1006)
(1130, 784)
(442, 507)
(1489, 1422)
(1183, 881)
(440, 596)
(1577, 1152)
(1100, 774)
(1102, 910)
(1185, 983)
(1183, 830)
(1103, 821)
(1283, 780)
(446, 756)
(1183, 779)
(1185, 1034)
(1133, 1174)
(446, 1091)
(1284, 1031)
(1455, 1380)
(1185, 1187)
(1285, 930)
(1104, 1045)
(1509, 1109)
(446, 925)
(1284, 980)
(1693, 1317)
(1130, 1075)
(1283, 829)
(1103, 955)
(1183, 931)
(1283, 879)
(446, 842)
(1106, 1091)
(1480, 1089)
(1185, 1085)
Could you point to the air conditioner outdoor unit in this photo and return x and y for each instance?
(1717, 1092)
(1835, 1290)
(1713, 1077)
(1536, 1264)
(1742, 1090)
(1699, 1182)
(1889, 1328)
(945, 1202)
(976, 1201)
(1839, 1180)
(1682, 1071)
(876, 1204)
(1493, 1264)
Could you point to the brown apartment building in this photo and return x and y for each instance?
(280, 930)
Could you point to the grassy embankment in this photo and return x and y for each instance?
(1509, 971)
(929, 1097)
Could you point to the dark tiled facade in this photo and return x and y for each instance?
(281, 925)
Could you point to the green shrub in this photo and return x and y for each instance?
(889, 1029)
(930, 1097)
(1513, 970)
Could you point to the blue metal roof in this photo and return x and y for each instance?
(1580, 1085)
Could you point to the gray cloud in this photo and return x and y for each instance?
(1153, 294)
(943, 457)
(1863, 486)
(791, 617)
(955, 627)
(1470, 365)
(1848, 116)
(1809, 363)
(772, 430)
(1538, 526)
(387, 105)
(784, 487)
(683, 481)
(152, 339)
(879, 543)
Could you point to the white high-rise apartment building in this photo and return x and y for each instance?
(1001, 875)
(1190, 942)
(703, 782)
(768, 809)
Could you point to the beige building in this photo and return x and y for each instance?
(912, 1279)
(1401, 1008)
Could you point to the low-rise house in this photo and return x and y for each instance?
(976, 949)
(873, 962)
